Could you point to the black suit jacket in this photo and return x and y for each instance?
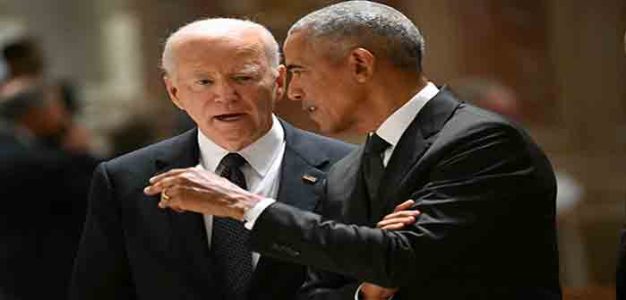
(132, 249)
(486, 194)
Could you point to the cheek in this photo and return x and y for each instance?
(260, 104)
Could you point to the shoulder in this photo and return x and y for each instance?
(146, 156)
(309, 142)
(471, 122)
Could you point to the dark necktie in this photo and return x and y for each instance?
(229, 244)
(373, 167)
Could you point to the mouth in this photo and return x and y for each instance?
(229, 117)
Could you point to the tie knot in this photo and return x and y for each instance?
(375, 144)
(233, 160)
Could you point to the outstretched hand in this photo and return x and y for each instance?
(201, 191)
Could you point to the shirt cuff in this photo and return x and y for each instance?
(253, 213)
(358, 291)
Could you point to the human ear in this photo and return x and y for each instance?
(172, 91)
(362, 63)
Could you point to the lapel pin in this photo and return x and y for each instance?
(309, 178)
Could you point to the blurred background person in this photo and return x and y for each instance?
(45, 170)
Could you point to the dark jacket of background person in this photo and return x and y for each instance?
(43, 192)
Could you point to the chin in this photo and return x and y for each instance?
(327, 128)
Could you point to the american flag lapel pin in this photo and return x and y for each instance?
(309, 178)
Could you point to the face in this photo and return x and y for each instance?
(324, 85)
(226, 85)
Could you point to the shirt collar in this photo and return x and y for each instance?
(260, 154)
(394, 126)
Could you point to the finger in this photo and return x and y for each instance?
(172, 172)
(165, 183)
(399, 220)
(392, 227)
(170, 205)
(181, 199)
(404, 213)
(405, 205)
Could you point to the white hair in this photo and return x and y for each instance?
(213, 25)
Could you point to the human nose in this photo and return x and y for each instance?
(225, 92)
(294, 90)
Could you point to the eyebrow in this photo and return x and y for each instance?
(292, 66)
(248, 68)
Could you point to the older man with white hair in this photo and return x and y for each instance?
(225, 74)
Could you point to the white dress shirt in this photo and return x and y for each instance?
(262, 170)
(392, 129)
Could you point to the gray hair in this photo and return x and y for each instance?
(374, 26)
(217, 25)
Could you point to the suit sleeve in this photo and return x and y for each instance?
(468, 190)
(101, 269)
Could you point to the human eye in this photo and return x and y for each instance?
(204, 82)
(244, 78)
(295, 71)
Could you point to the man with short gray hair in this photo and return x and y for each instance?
(484, 190)
(225, 74)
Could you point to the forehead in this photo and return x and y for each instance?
(219, 51)
(302, 49)
(296, 44)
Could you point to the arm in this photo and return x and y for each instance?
(401, 216)
(468, 190)
(101, 268)
(326, 285)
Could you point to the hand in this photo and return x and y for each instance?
(370, 291)
(201, 191)
(400, 217)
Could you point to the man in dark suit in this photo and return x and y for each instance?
(225, 74)
(485, 191)
(43, 188)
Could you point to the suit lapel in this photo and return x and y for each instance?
(414, 142)
(190, 239)
(301, 178)
(355, 200)
(301, 183)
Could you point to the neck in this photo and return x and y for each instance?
(387, 97)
